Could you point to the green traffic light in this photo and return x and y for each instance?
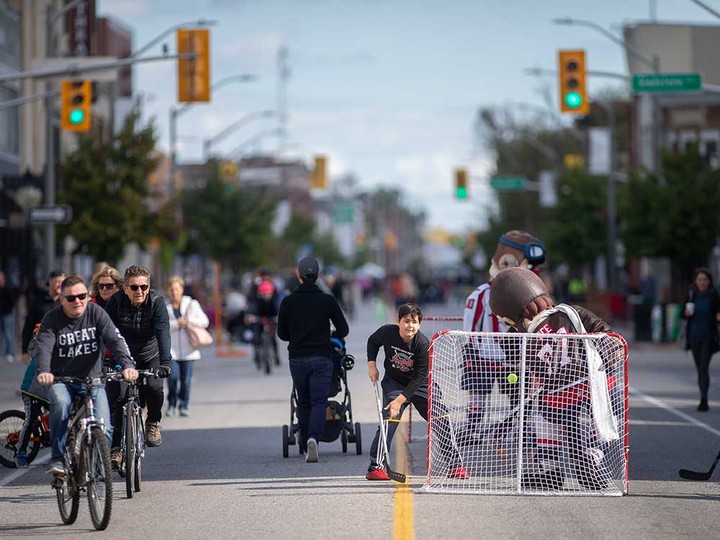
(77, 116)
(461, 193)
(573, 100)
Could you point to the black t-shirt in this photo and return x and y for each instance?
(405, 362)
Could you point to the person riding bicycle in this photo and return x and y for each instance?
(140, 314)
(70, 343)
(262, 312)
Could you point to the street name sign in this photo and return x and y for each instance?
(507, 183)
(44, 215)
(667, 82)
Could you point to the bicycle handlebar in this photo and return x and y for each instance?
(118, 376)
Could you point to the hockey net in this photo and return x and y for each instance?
(542, 414)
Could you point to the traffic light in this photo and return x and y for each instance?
(461, 184)
(573, 93)
(193, 76)
(75, 105)
(318, 179)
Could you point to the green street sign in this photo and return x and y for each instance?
(667, 82)
(507, 183)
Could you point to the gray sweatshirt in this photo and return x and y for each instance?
(73, 347)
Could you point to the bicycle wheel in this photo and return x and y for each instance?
(129, 457)
(267, 353)
(140, 453)
(11, 423)
(66, 489)
(68, 498)
(99, 486)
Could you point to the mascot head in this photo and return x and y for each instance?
(517, 248)
(517, 295)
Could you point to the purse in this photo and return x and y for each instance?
(198, 337)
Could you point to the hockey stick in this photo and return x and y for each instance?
(693, 475)
(383, 456)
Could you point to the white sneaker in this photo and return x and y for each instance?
(312, 451)
(10, 358)
(56, 468)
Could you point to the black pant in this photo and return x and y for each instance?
(702, 354)
(151, 396)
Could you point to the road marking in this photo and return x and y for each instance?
(20, 472)
(677, 412)
(403, 518)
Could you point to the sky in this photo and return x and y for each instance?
(387, 89)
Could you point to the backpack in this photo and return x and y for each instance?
(33, 344)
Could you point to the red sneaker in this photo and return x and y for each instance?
(458, 472)
(377, 474)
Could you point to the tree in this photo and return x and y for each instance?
(576, 231)
(226, 223)
(105, 182)
(675, 214)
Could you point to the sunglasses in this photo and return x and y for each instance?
(73, 297)
(106, 286)
(143, 287)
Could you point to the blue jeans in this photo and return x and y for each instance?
(311, 376)
(181, 373)
(61, 398)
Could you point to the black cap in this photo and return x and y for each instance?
(308, 267)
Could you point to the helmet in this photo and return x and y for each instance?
(266, 287)
(513, 290)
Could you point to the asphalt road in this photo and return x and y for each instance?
(220, 472)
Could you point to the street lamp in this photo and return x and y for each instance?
(176, 112)
(239, 150)
(208, 143)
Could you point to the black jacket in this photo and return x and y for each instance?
(304, 321)
(41, 303)
(146, 328)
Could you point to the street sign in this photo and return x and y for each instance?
(43, 215)
(507, 183)
(667, 82)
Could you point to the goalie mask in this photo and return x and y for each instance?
(517, 248)
(518, 294)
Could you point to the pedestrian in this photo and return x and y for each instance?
(405, 381)
(569, 384)
(42, 301)
(70, 343)
(140, 315)
(182, 311)
(8, 297)
(304, 322)
(702, 311)
(484, 358)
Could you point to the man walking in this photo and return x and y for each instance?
(304, 321)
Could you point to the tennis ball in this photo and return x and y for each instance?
(512, 378)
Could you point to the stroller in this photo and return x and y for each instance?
(338, 417)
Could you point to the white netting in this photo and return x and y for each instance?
(528, 413)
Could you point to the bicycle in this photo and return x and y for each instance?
(265, 350)
(132, 443)
(37, 433)
(87, 459)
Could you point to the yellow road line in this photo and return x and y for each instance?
(403, 520)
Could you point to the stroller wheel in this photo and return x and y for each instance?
(286, 440)
(344, 440)
(358, 439)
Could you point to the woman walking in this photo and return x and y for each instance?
(702, 311)
(182, 310)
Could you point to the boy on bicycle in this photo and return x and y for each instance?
(263, 307)
(70, 343)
